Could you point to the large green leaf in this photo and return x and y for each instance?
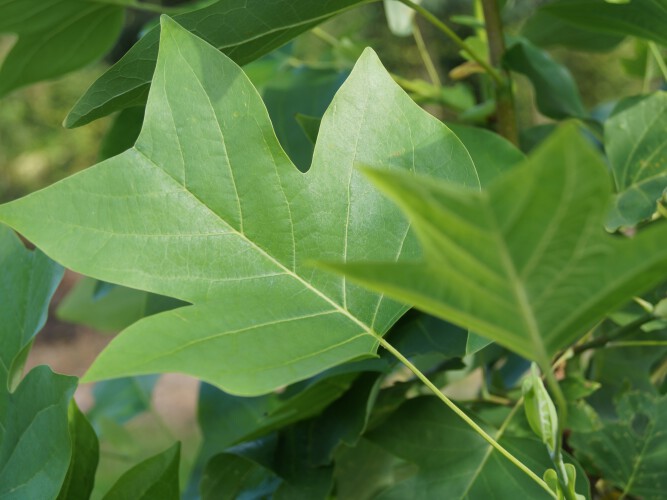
(207, 208)
(642, 18)
(454, 461)
(35, 446)
(27, 283)
(636, 144)
(153, 479)
(54, 37)
(630, 452)
(244, 29)
(526, 262)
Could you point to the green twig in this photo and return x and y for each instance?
(426, 57)
(499, 448)
(428, 16)
(638, 343)
(617, 334)
(505, 112)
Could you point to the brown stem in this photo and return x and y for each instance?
(505, 112)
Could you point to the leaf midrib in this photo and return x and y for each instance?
(367, 329)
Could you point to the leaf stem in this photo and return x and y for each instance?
(617, 334)
(428, 16)
(426, 57)
(452, 406)
(505, 112)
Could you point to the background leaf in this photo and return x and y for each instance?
(35, 446)
(644, 19)
(239, 225)
(153, 479)
(631, 451)
(244, 29)
(637, 149)
(54, 37)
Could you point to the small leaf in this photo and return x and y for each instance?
(27, 283)
(525, 263)
(637, 149)
(453, 461)
(85, 455)
(540, 410)
(399, 17)
(54, 38)
(229, 477)
(645, 19)
(35, 445)
(207, 208)
(153, 479)
(631, 451)
(556, 92)
(122, 399)
(244, 29)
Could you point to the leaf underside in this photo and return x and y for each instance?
(207, 208)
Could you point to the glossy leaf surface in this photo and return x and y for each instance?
(244, 29)
(54, 37)
(207, 208)
(526, 262)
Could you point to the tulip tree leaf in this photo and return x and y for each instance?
(35, 446)
(207, 208)
(636, 144)
(454, 461)
(645, 19)
(631, 451)
(54, 37)
(526, 262)
(244, 29)
(27, 283)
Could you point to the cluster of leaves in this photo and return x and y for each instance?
(278, 259)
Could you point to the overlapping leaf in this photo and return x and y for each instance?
(54, 37)
(244, 29)
(455, 462)
(636, 144)
(207, 208)
(630, 452)
(525, 263)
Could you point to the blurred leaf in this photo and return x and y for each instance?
(27, 283)
(152, 479)
(295, 91)
(556, 92)
(454, 461)
(122, 399)
(310, 125)
(642, 18)
(54, 38)
(525, 263)
(631, 451)
(636, 145)
(35, 444)
(235, 477)
(244, 29)
(546, 30)
(418, 333)
(399, 17)
(85, 455)
(117, 309)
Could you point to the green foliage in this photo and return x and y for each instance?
(350, 345)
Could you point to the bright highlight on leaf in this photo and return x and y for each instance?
(526, 262)
(207, 208)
